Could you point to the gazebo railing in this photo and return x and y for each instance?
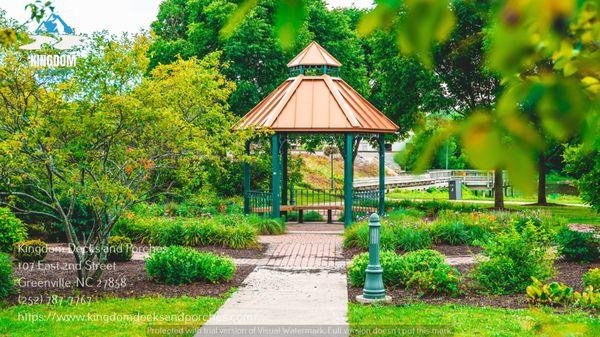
(260, 202)
(364, 202)
(316, 197)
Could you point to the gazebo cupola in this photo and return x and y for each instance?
(314, 100)
(314, 60)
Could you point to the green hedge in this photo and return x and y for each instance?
(6, 275)
(12, 230)
(513, 259)
(233, 231)
(578, 246)
(422, 270)
(181, 265)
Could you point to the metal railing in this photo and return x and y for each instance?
(474, 178)
(364, 202)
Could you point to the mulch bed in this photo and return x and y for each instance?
(124, 279)
(449, 250)
(567, 272)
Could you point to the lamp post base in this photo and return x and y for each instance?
(362, 300)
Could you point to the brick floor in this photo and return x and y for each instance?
(301, 251)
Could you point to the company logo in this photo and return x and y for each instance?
(55, 35)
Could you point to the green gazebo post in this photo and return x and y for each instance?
(381, 143)
(276, 177)
(247, 181)
(348, 177)
(284, 169)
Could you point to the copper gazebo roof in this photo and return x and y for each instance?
(316, 103)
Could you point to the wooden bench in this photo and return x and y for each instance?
(301, 208)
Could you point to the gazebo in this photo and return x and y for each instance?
(314, 100)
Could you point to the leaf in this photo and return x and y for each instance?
(482, 142)
(289, 17)
(237, 17)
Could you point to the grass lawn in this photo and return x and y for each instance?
(108, 317)
(471, 321)
(573, 214)
(439, 194)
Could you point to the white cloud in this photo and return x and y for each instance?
(116, 16)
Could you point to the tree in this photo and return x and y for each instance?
(107, 138)
(584, 165)
(256, 60)
(520, 35)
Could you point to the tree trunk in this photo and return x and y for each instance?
(498, 190)
(542, 180)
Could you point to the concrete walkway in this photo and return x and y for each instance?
(298, 289)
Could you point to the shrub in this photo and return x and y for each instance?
(411, 238)
(389, 261)
(464, 229)
(578, 246)
(120, 249)
(181, 265)
(423, 270)
(442, 279)
(514, 258)
(544, 225)
(312, 216)
(233, 231)
(592, 278)
(588, 298)
(267, 226)
(6, 275)
(357, 236)
(551, 294)
(12, 230)
(453, 233)
(30, 251)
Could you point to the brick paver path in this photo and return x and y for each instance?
(301, 251)
(299, 284)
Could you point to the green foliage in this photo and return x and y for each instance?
(592, 278)
(544, 227)
(584, 165)
(551, 294)
(120, 249)
(267, 226)
(256, 60)
(513, 259)
(464, 229)
(358, 236)
(169, 128)
(181, 265)
(12, 230)
(409, 157)
(409, 238)
(578, 246)
(589, 298)
(30, 251)
(6, 275)
(433, 207)
(422, 270)
(233, 231)
(313, 216)
(560, 294)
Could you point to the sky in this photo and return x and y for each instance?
(116, 16)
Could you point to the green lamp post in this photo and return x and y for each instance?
(374, 290)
